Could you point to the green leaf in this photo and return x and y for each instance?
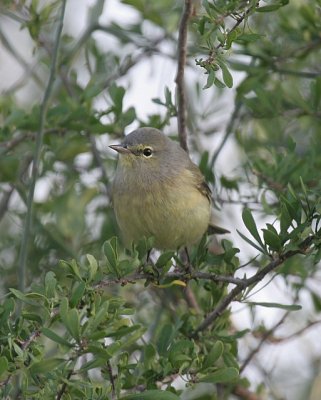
(123, 331)
(248, 38)
(50, 284)
(44, 366)
(95, 320)
(73, 324)
(289, 307)
(117, 95)
(316, 301)
(285, 219)
(63, 308)
(77, 293)
(227, 76)
(210, 79)
(149, 355)
(152, 395)
(293, 208)
(270, 8)
(214, 354)
(218, 83)
(251, 243)
(93, 266)
(32, 317)
(250, 224)
(272, 240)
(70, 319)
(95, 363)
(164, 258)
(3, 365)
(72, 266)
(26, 298)
(224, 375)
(165, 339)
(143, 246)
(110, 251)
(55, 338)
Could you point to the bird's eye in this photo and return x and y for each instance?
(147, 152)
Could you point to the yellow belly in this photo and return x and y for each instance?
(174, 217)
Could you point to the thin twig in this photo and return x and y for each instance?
(300, 74)
(39, 141)
(245, 394)
(228, 131)
(112, 380)
(12, 50)
(31, 338)
(181, 93)
(99, 163)
(64, 386)
(239, 20)
(262, 341)
(4, 202)
(10, 144)
(292, 336)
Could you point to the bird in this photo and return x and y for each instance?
(159, 192)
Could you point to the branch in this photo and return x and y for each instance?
(99, 163)
(126, 65)
(39, 141)
(112, 380)
(234, 293)
(10, 144)
(184, 276)
(301, 74)
(64, 386)
(228, 131)
(25, 344)
(263, 339)
(239, 19)
(181, 94)
(292, 336)
(12, 50)
(245, 394)
(4, 202)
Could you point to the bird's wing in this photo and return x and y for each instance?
(203, 187)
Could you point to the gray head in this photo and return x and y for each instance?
(149, 148)
(146, 154)
(143, 142)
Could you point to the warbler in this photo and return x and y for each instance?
(159, 192)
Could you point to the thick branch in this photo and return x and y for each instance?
(174, 275)
(234, 293)
(181, 94)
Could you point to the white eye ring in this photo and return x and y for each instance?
(147, 152)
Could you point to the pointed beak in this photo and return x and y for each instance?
(120, 148)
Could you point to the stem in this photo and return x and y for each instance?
(39, 140)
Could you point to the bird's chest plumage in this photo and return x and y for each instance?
(174, 213)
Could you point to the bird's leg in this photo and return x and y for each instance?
(148, 255)
(186, 260)
(187, 255)
(149, 267)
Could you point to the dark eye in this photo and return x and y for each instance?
(147, 152)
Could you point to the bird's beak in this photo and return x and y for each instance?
(120, 148)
